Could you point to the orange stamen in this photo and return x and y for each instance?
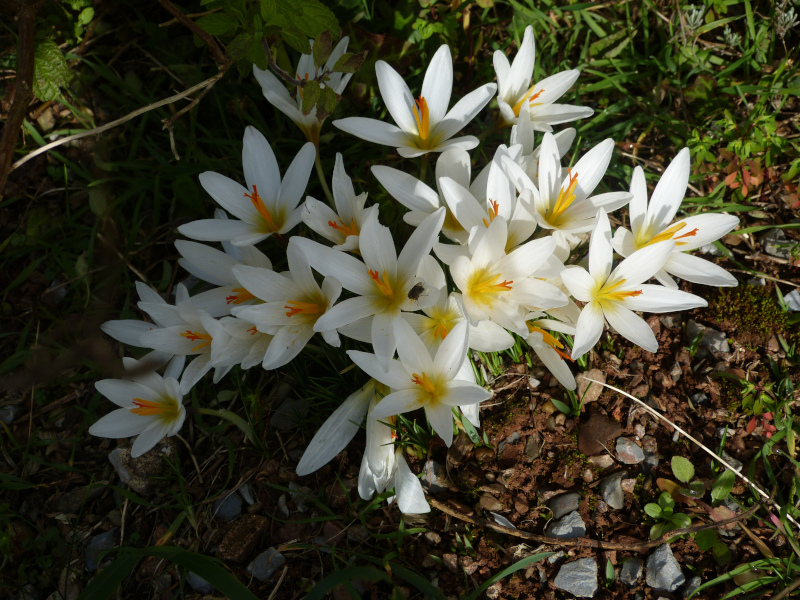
(424, 383)
(551, 341)
(347, 230)
(306, 308)
(494, 208)
(241, 295)
(194, 336)
(530, 99)
(253, 330)
(258, 204)
(422, 116)
(383, 284)
(440, 331)
(692, 233)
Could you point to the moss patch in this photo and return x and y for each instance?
(752, 312)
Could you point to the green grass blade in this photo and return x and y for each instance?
(345, 576)
(521, 564)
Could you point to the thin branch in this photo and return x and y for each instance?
(23, 91)
(587, 543)
(132, 115)
(707, 450)
(219, 55)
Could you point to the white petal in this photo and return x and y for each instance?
(638, 206)
(464, 111)
(642, 264)
(259, 164)
(698, 270)
(128, 331)
(149, 438)
(396, 377)
(659, 299)
(346, 312)
(410, 497)
(216, 230)
(601, 253)
(588, 329)
(396, 96)
(591, 167)
(296, 179)
(407, 189)
(440, 416)
(229, 195)
(579, 283)
(373, 130)
(399, 402)
(410, 349)
(419, 244)
(120, 423)
(438, 84)
(630, 326)
(669, 192)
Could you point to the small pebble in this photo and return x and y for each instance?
(266, 564)
(198, 584)
(228, 507)
(629, 451)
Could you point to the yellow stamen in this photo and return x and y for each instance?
(347, 230)
(551, 341)
(384, 286)
(565, 198)
(490, 286)
(668, 234)
(149, 408)
(607, 292)
(193, 336)
(529, 98)
(493, 210)
(422, 116)
(306, 308)
(241, 295)
(258, 204)
(424, 383)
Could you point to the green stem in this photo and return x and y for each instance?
(321, 176)
(423, 167)
(229, 416)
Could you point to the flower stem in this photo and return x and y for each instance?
(321, 176)
(229, 416)
(423, 168)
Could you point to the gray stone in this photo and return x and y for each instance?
(578, 577)
(631, 572)
(299, 494)
(494, 590)
(434, 478)
(792, 300)
(99, 544)
(9, 413)
(710, 249)
(757, 281)
(699, 399)
(145, 474)
(490, 503)
(532, 447)
(663, 571)
(629, 451)
(73, 501)
(290, 413)
(283, 508)
(568, 527)
(266, 564)
(564, 503)
(198, 584)
(775, 243)
(736, 464)
(611, 490)
(557, 558)
(246, 491)
(675, 372)
(116, 460)
(691, 586)
(712, 340)
(29, 592)
(601, 462)
(228, 507)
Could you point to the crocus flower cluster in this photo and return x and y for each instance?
(510, 239)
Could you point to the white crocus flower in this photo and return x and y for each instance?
(293, 305)
(267, 206)
(246, 345)
(562, 201)
(650, 224)
(550, 350)
(523, 134)
(514, 89)
(613, 295)
(151, 407)
(343, 226)
(495, 285)
(276, 93)
(420, 381)
(420, 199)
(423, 125)
(337, 431)
(216, 267)
(382, 283)
(439, 319)
(187, 331)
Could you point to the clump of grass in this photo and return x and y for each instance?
(753, 310)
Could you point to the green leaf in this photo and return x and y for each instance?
(652, 509)
(682, 469)
(681, 520)
(311, 93)
(86, 16)
(561, 406)
(239, 47)
(50, 71)
(322, 48)
(610, 575)
(706, 539)
(296, 39)
(269, 12)
(216, 23)
(313, 18)
(522, 564)
(108, 580)
(326, 103)
(350, 62)
(723, 486)
(257, 55)
(666, 502)
(345, 576)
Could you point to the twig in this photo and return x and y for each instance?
(587, 543)
(707, 450)
(23, 91)
(786, 591)
(219, 56)
(277, 585)
(132, 115)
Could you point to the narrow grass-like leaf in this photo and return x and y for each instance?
(347, 575)
(521, 564)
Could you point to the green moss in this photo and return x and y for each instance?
(751, 309)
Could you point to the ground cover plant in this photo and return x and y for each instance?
(243, 481)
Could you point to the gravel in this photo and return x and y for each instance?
(663, 571)
(266, 564)
(563, 504)
(228, 507)
(578, 578)
(99, 544)
(611, 489)
(629, 451)
(570, 526)
(712, 340)
(631, 572)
